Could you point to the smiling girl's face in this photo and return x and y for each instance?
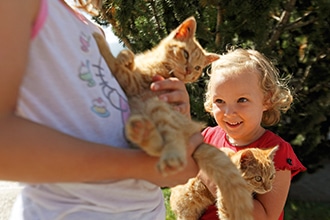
(238, 104)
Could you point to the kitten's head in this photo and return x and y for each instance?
(184, 56)
(258, 168)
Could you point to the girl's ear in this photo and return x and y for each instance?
(267, 102)
(266, 106)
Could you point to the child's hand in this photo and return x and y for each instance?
(208, 183)
(189, 171)
(172, 91)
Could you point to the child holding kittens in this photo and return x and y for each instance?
(62, 116)
(244, 94)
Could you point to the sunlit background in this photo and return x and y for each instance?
(114, 43)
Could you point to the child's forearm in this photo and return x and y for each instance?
(30, 152)
(34, 153)
(269, 206)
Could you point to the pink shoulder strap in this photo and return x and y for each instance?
(40, 18)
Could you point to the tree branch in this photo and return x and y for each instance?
(299, 24)
(217, 28)
(284, 19)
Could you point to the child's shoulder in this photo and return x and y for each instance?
(213, 130)
(285, 157)
(215, 136)
(269, 138)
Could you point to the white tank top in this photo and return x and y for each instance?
(68, 86)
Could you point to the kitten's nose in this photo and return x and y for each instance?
(267, 187)
(188, 71)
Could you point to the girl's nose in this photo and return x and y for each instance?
(229, 110)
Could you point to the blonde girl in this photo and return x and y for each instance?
(62, 115)
(244, 94)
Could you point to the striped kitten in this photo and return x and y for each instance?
(158, 129)
(190, 200)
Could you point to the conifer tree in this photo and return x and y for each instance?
(294, 33)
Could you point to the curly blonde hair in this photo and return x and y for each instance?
(276, 92)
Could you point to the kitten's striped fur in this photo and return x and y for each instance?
(190, 200)
(156, 127)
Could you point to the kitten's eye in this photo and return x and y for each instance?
(197, 68)
(258, 178)
(272, 176)
(185, 54)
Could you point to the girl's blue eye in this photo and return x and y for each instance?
(242, 100)
(218, 101)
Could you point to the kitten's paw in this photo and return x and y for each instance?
(126, 58)
(138, 129)
(142, 132)
(171, 161)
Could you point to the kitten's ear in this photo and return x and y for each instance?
(246, 157)
(186, 30)
(272, 151)
(229, 152)
(210, 57)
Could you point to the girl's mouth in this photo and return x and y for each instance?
(235, 124)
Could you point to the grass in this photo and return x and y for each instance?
(300, 210)
(294, 210)
(169, 214)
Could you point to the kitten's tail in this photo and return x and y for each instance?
(233, 188)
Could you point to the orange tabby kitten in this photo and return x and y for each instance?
(189, 201)
(161, 131)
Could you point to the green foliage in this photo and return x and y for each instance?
(169, 214)
(300, 210)
(295, 33)
(294, 210)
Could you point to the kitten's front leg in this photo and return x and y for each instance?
(173, 157)
(126, 59)
(130, 80)
(105, 51)
(234, 197)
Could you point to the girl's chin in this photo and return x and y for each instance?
(234, 135)
(233, 130)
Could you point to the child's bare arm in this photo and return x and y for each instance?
(270, 205)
